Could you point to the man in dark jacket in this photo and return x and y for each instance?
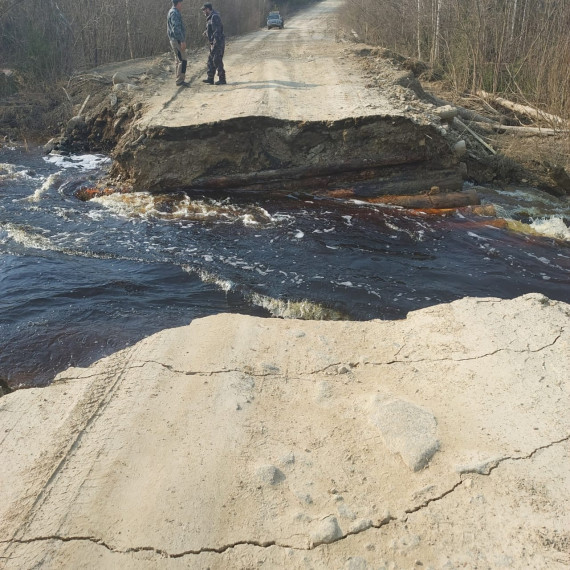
(215, 34)
(177, 36)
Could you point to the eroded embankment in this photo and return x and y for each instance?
(392, 154)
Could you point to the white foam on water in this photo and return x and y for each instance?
(26, 237)
(174, 207)
(7, 170)
(530, 195)
(81, 161)
(49, 183)
(541, 259)
(416, 235)
(224, 284)
(288, 309)
(279, 218)
(31, 238)
(249, 220)
(132, 205)
(11, 172)
(553, 227)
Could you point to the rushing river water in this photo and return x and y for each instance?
(80, 280)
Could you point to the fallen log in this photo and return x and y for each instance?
(458, 123)
(486, 211)
(280, 176)
(531, 112)
(464, 113)
(429, 201)
(447, 112)
(390, 175)
(522, 131)
(84, 104)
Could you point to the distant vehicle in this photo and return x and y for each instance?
(274, 20)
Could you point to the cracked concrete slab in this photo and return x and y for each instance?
(237, 442)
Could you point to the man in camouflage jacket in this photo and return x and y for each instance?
(177, 36)
(215, 34)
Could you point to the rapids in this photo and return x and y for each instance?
(80, 280)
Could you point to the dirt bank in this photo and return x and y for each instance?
(440, 441)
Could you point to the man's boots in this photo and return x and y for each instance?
(209, 80)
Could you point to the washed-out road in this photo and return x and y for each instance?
(299, 110)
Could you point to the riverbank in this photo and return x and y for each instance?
(438, 441)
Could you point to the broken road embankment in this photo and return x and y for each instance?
(382, 155)
(298, 112)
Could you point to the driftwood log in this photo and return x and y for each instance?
(303, 172)
(486, 211)
(387, 175)
(531, 112)
(418, 201)
(447, 112)
(522, 131)
(463, 126)
(464, 113)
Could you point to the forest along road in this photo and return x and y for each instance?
(298, 73)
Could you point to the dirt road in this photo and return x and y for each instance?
(298, 110)
(301, 73)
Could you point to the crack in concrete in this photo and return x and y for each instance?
(490, 469)
(324, 370)
(433, 499)
(158, 551)
(327, 367)
(467, 359)
(266, 544)
(208, 372)
(528, 456)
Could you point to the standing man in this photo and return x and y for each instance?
(215, 34)
(177, 36)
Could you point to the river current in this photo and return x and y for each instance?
(80, 280)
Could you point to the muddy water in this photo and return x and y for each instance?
(80, 280)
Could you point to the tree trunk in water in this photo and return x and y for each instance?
(430, 201)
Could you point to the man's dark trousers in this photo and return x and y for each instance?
(215, 61)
